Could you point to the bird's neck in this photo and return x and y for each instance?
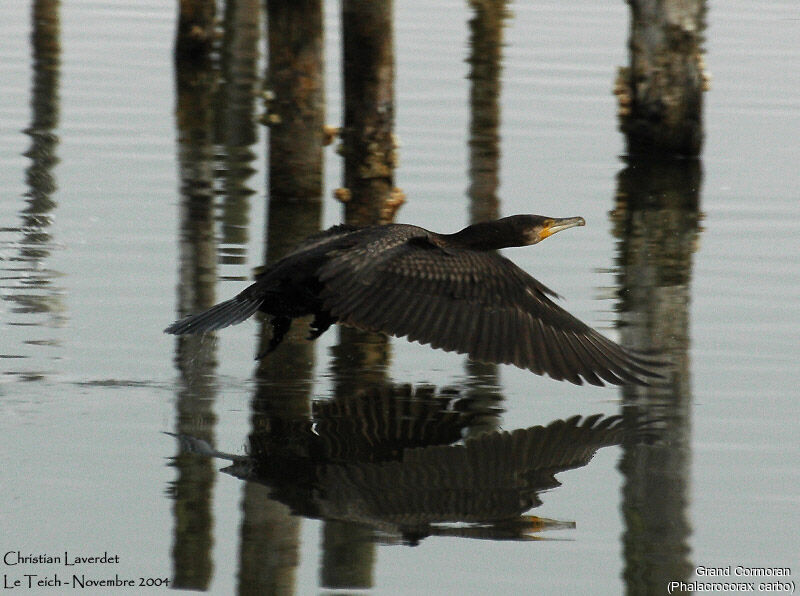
(488, 235)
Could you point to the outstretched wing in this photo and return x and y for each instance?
(471, 302)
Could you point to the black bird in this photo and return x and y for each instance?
(451, 291)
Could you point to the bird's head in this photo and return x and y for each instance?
(535, 228)
(515, 230)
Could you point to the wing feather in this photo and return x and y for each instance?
(230, 312)
(477, 303)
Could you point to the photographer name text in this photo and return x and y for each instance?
(15, 557)
(23, 577)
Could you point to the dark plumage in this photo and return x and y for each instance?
(451, 291)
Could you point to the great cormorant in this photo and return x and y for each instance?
(451, 291)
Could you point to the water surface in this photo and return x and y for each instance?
(121, 208)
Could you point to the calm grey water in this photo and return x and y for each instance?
(95, 244)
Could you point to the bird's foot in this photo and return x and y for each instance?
(320, 324)
(280, 326)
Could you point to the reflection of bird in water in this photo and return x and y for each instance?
(448, 290)
(392, 459)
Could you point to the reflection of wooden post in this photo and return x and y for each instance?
(367, 137)
(657, 222)
(195, 36)
(195, 358)
(236, 126)
(485, 60)
(661, 91)
(46, 56)
(269, 549)
(348, 556)
(360, 360)
(35, 216)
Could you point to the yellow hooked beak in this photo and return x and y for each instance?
(552, 226)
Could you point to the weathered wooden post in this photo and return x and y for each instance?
(295, 96)
(660, 92)
(368, 141)
(194, 38)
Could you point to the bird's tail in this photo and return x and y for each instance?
(230, 312)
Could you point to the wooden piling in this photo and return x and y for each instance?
(660, 92)
(194, 38)
(295, 101)
(368, 141)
